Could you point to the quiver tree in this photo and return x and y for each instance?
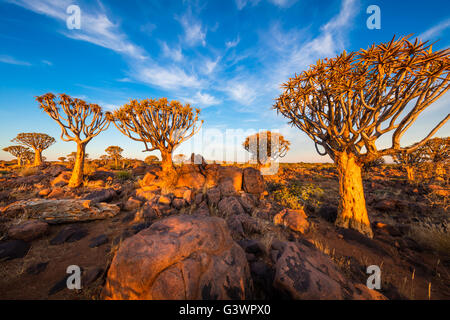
(151, 159)
(79, 122)
(115, 153)
(37, 141)
(346, 103)
(410, 161)
(20, 152)
(62, 159)
(437, 151)
(265, 146)
(160, 125)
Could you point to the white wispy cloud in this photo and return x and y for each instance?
(202, 100)
(12, 60)
(172, 53)
(166, 77)
(233, 43)
(241, 4)
(435, 31)
(240, 91)
(194, 31)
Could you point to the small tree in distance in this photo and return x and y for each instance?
(37, 141)
(80, 122)
(115, 153)
(346, 103)
(151, 159)
(62, 159)
(266, 146)
(410, 161)
(20, 152)
(158, 123)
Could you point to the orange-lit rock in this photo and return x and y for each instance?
(180, 257)
(292, 219)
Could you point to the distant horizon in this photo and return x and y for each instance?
(228, 58)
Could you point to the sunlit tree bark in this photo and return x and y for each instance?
(79, 122)
(37, 141)
(160, 125)
(345, 104)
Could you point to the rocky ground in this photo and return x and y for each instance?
(218, 232)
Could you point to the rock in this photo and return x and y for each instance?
(13, 249)
(98, 241)
(304, 273)
(227, 188)
(262, 275)
(62, 211)
(180, 257)
(165, 199)
(101, 175)
(247, 201)
(57, 193)
(197, 159)
(230, 206)
(148, 212)
(364, 293)
(104, 195)
(36, 268)
(70, 233)
(90, 275)
(45, 192)
(243, 225)
(55, 170)
(132, 204)
(253, 246)
(61, 180)
(231, 172)
(191, 178)
(328, 213)
(149, 178)
(253, 181)
(213, 196)
(147, 195)
(179, 192)
(28, 230)
(59, 286)
(95, 184)
(178, 203)
(292, 219)
(187, 196)
(139, 170)
(30, 180)
(198, 198)
(202, 210)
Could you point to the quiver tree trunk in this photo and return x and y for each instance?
(352, 212)
(37, 157)
(410, 173)
(78, 170)
(166, 161)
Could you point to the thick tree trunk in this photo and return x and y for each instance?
(19, 161)
(166, 161)
(116, 162)
(37, 157)
(78, 170)
(410, 173)
(352, 212)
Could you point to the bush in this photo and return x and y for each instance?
(296, 196)
(124, 175)
(29, 171)
(432, 237)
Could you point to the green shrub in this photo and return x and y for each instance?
(124, 175)
(296, 196)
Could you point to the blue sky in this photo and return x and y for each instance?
(227, 57)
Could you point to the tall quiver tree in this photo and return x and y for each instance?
(160, 125)
(410, 161)
(20, 152)
(115, 152)
(79, 122)
(437, 151)
(37, 141)
(265, 146)
(346, 103)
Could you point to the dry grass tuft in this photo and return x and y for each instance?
(432, 238)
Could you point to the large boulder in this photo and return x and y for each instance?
(104, 195)
(253, 181)
(189, 176)
(304, 273)
(234, 173)
(61, 211)
(28, 230)
(62, 179)
(180, 257)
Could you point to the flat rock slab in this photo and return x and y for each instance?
(28, 230)
(13, 249)
(98, 241)
(36, 268)
(61, 211)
